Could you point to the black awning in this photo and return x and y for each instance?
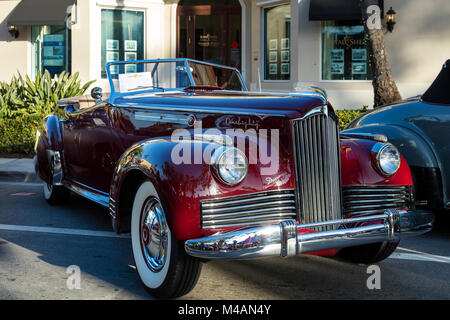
(40, 13)
(337, 10)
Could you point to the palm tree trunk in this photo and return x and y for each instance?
(384, 87)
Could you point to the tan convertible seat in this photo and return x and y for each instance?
(81, 102)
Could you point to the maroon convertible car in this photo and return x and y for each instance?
(196, 168)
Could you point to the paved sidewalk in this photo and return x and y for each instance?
(17, 170)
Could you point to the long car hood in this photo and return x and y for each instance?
(248, 103)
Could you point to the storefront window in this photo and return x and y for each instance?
(344, 52)
(122, 38)
(277, 43)
(50, 48)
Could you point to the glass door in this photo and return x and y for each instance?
(210, 33)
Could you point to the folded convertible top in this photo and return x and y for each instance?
(439, 91)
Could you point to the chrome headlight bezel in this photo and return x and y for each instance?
(217, 163)
(379, 152)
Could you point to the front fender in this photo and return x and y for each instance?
(421, 157)
(179, 186)
(358, 167)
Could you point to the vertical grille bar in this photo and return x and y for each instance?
(316, 151)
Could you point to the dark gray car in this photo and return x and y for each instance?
(420, 128)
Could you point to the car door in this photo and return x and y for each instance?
(89, 147)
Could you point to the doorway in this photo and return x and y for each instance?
(210, 32)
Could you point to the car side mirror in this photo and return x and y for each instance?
(97, 93)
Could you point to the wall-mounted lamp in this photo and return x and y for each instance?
(13, 31)
(390, 19)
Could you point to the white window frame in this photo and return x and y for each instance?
(322, 80)
(96, 27)
(266, 5)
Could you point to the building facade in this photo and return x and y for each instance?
(278, 45)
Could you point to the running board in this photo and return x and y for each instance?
(94, 195)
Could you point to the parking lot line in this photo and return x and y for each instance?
(418, 256)
(65, 231)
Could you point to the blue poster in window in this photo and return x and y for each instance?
(53, 50)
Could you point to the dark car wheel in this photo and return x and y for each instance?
(369, 253)
(163, 266)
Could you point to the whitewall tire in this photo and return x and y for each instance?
(54, 194)
(164, 268)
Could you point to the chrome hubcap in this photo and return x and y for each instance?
(153, 234)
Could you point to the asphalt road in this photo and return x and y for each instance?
(40, 244)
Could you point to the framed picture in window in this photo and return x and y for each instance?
(112, 44)
(273, 44)
(273, 68)
(130, 45)
(130, 56)
(337, 68)
(359, 68)
(337, 55)
(359, 54)
(285, 68)
(112, 56)
(285, 45)
(285, 55)
(114, 69)
(130, 68)
(273, 56)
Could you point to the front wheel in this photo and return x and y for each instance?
(369, 253)
(164, 268)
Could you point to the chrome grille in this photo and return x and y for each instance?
(249, 209)
(360, 200)
(317, 159)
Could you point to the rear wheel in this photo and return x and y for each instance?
(369, 253)
(54, 194)
(164, 268)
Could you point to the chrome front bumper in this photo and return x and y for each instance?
(284, 240)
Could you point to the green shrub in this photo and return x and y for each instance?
(18, 135)
(22, 97)
(348, 115)
(24, 103)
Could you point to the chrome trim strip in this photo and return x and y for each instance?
(369, 136)
(260, 113)
(159, 117)
(244, 218)
(89, 193)
(268, 205)
(251, 197)
(255, 208)
(284, 240)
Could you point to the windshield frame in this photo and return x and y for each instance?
(188, 71)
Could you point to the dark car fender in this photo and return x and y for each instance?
(420, 155)
(50, 140)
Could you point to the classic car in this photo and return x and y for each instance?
(195, 167)
(420, 129)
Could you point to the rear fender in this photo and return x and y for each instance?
(50, 141)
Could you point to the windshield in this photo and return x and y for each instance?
(173, 74)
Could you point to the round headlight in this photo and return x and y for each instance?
(229, 165)
(388, 158)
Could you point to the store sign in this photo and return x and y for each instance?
(348, 41)
(208, 41)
